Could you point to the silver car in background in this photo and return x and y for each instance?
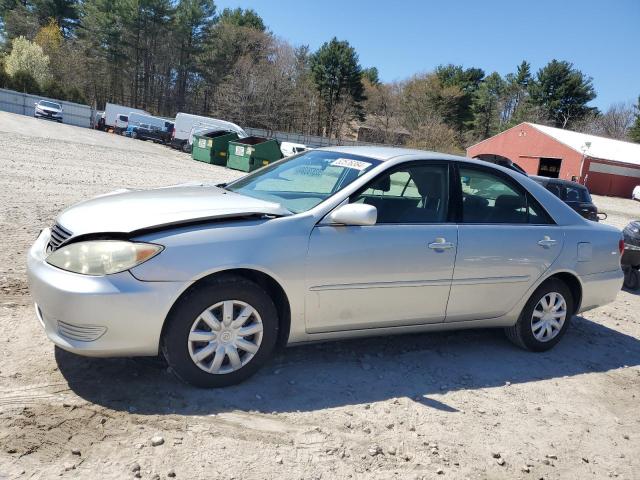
(48, 110)
(329, 244)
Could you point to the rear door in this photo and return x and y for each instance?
(394, 273)
(506, 241)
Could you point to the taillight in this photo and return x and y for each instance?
(621, 246)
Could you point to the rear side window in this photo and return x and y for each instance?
(577, 194)
(489, 198)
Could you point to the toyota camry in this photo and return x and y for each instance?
(332, 243)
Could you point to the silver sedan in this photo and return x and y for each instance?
(329, 244)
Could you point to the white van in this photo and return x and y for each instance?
(186, 125)
(117, 116)
(290, 148)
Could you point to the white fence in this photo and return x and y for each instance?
(81, 116)
(308, 140)
(24, 104)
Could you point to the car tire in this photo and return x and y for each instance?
(538, 328)
(192, 345)
(134, 135)
(631, 279)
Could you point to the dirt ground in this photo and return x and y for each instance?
(448, 405)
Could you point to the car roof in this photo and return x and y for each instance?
(387, 153)
(540, 179)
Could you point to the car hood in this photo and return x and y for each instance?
(48, 109)
(127, 211)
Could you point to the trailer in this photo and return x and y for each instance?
(116, 117)
(186, 125)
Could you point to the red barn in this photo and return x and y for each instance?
(604, 165)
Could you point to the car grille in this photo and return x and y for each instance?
(59, 235)
(81, 333)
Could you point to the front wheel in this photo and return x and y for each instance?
(545, 318)
(220, 333)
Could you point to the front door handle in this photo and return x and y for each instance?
(547, 242)
(440, 244)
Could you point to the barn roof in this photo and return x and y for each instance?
(601, 147)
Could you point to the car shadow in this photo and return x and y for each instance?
(337, 374)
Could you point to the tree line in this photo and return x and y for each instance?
(167, 56)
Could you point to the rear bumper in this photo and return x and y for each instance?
(600, 288)
(108, 316)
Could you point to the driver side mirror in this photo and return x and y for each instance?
(359, 214)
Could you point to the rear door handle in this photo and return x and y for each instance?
(547, 242)
(441, 244)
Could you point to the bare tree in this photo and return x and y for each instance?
(614, 123)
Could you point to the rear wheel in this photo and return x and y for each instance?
(545, 318)
(220, 333)
(631, 278)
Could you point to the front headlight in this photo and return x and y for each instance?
(102, 257)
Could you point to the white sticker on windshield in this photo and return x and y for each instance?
(350, 163)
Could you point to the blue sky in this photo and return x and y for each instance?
(602, 38)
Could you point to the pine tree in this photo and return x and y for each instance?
(338, 78)
(563, 93)
(515, 93)
(486, 106)
(634, 131)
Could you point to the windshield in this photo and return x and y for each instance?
(301, 182)
(44, 103)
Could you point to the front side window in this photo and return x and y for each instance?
(555, 189)
(411, 194)
(301, 182)
(489, 198)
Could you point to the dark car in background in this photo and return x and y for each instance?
(151, 132)
(631, 256)
(575, 195)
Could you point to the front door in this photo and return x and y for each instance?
(506, 241)
(397, 272)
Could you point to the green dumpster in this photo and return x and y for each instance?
(250, 153)
(212, 147)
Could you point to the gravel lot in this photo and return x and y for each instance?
(450, 405)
